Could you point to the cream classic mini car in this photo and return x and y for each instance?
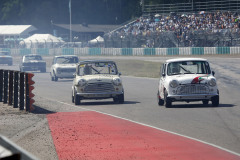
(63, 67)
(97, 80)
(187, 79)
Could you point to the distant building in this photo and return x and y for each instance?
(81, 32)
(12, 34)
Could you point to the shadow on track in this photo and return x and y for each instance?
(88, 103)
(39, 110)
(201, 106)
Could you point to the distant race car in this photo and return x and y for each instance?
(97, 79)
(6, 58)
(187, 79)
(63, 67)
(32, 62)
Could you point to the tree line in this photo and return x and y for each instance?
(43, 13)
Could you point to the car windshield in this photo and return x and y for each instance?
(4, 53)
(97, 68)
(28, 58)
(188, 67)
(66, 60)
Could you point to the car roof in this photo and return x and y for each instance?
(32, 55)
(185, 59)
(66, 56)
(98, 61)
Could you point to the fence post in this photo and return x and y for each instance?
(10, 88)
(1, 85)
(21, 91)
(27, 92)
(5, 88)
(16, 89)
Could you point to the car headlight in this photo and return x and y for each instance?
(117, 81)
(212, 82)
(82, 82)
(174, 83)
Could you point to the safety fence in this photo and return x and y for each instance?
(16, 89)
(127, 51)
(10, 150)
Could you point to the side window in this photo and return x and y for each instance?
(54, 61)
(80, 70)
(163, 69)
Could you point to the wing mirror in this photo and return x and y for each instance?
(213, 73)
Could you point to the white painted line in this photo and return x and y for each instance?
(219, 147)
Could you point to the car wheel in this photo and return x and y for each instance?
(168, 102)
(119, 99)
(55, 78)
(72, 98)
(160, 101)
(43, 70)
(205, 102)
(77, 99)
(215, 101)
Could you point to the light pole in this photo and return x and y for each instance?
(70, 14)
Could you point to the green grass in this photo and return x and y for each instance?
(139, 68)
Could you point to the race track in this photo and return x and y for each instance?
(217, 126)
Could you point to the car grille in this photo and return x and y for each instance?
(67, 70)
(193, 89)
(99, 87)
(35, 64)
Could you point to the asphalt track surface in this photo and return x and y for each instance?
(144, 129)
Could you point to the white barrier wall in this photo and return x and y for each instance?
(127, 51)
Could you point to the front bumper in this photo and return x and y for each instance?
(33, 68)
(191, 97)
(65, 75)
(5, 61)
(101, 95)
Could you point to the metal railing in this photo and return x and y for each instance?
(15, 89)
(217, 5)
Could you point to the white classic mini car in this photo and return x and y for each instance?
(63, 67)
(6, 58)
(97, 79)
(187, 79)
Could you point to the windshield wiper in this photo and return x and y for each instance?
(188, 72)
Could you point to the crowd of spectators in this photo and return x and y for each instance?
(181, 24)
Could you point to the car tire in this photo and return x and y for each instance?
(160, 101)
(72, 98)
(205, 102)
(215, 101)
(55, 78)
(119, 99)
(77, 100)
(168, 102)
(43, 70)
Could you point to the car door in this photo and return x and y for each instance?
(162, 80)
(52, 67)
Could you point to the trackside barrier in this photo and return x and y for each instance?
(127, 51)
(16, 89)
(10, 150)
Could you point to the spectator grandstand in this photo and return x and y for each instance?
(202, 29)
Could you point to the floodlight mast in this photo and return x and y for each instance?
(70, 14)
